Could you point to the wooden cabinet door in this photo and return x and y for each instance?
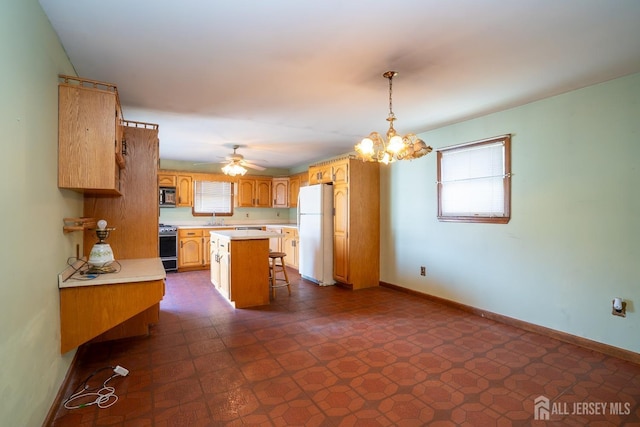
(341, 172)
(215, 262)
(294, 190)
(166, 180)
(224, 257)
(190, 252)
(290, 247)
(206, 249)
(263, 193)
(341, 233)
(320, 174)
(245, 192)
(184, 190)
(280, 192)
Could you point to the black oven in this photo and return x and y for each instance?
(168, 246)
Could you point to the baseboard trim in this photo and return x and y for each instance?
(57, 402)
(607, 349)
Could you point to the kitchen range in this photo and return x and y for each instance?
(168, 246)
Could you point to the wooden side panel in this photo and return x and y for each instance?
(138, 325)
(250, 272)
(364, 224)
(88, 311)
(135, 213)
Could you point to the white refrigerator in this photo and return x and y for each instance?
(315, 233)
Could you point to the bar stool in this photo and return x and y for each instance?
(276, 267)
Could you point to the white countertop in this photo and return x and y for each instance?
(226, 226)
(127, 270)
(247, 234)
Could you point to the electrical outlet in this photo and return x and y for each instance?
(423, 271)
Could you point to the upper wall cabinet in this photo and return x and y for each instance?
(90, 136)
(280, 189)
(254, 192)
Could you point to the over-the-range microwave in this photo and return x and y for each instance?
(167, 197)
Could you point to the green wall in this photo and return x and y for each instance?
(573, 242)
(35, 249)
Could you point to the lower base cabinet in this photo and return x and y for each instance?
(290, 247)
(194, 251)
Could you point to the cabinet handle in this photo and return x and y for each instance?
(181, 244)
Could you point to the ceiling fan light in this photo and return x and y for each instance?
(233, 169)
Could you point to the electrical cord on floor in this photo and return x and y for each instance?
(103, 396)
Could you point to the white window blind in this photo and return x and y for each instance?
(473, 180)
(213, 197)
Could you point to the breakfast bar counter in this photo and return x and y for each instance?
(109, 306)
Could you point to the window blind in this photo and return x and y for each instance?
(213, 197)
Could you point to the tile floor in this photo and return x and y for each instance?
(327, 356)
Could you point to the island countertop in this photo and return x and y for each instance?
(128, 270)
(246, 234)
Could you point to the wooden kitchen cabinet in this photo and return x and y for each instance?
(195, 249)
(166, 180)
(357, 223)
(340, 171)
(320, 174)
(254, 192)
(295, 182)
(290, 246)
(280, 189)
(90, 136)
(128, 312)
(135, 214)
(356, 228)
(190, 249)
(184, 191)
(244, 271)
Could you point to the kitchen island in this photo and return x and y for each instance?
(109, 306)
(240, 265)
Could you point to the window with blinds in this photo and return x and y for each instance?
(474, 181)
(213, 197)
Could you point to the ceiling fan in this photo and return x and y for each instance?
(239, 160)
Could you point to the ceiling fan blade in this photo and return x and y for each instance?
(252, 166)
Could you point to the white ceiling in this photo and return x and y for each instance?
(298, 81)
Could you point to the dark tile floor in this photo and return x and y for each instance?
(327, 356)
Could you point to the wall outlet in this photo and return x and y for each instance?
(247, 215)
(423, 271)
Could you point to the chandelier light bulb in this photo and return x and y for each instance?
(395, 144)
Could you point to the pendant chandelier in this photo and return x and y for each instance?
(375, 148)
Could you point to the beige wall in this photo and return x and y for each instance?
(573, 243)
(34, 248)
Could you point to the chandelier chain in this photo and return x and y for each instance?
(390, 96)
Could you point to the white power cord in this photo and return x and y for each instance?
(104, 396)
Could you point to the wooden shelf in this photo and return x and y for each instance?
(78, 224)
